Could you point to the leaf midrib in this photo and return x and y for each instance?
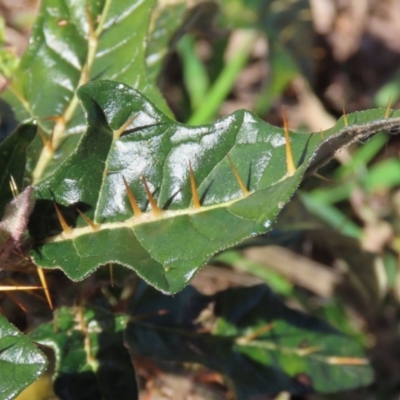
(58, 134)
(145, 218)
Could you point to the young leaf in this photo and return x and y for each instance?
(91, 360)
(239, 167)
(251, 337)
(21, 362)
(71, 44)
(14, 223)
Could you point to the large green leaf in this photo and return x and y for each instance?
(251, 337)
(13, 159)
(127, 137)
(71, 44)
(21, 362)
(91, 360)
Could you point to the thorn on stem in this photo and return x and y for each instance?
(46, 142)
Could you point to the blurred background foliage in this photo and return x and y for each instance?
(335, 250)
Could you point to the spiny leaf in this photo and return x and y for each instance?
(21, 362)
(71, 44)
(91, 360)
(166, 248)
(251, 337)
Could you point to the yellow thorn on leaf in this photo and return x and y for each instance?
(154, 207)
(92, 224)
(195, 196)
(291, 169)
(45, 287)
(135, 207)
(238, 178)
(388, 106)
(65, 227)
(118, 133)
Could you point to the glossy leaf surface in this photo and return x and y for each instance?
(91, 360)
(251, 337)
(71, 44)
(21, 362)
(128, 138)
